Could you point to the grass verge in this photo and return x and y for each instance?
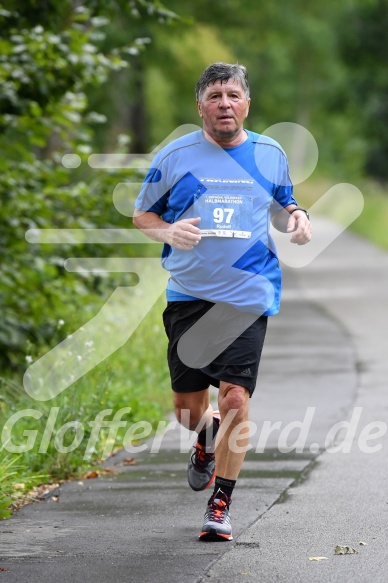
(60, 439)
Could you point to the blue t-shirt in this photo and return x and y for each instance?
(234, 191)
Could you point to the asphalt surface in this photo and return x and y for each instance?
(324, 362)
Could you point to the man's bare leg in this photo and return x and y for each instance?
(231, 445)
(232, 399)
(193, 410)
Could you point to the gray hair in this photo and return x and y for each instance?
(222, 72)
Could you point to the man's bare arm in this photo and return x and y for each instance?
(181, 234)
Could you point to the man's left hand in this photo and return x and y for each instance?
(300, 227)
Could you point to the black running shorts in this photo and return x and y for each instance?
(238, 362)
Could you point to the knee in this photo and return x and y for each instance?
(234, 398)
(180, 406)
(187, 413)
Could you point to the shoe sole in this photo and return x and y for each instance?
(214, 536)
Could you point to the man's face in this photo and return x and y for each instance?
(223, 109)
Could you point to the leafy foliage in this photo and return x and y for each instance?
(318, 64)
(364, 48)
(50, 56)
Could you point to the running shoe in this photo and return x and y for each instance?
(217, 524)
(201, 470)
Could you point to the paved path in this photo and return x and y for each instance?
(345, 499)
(325, 355)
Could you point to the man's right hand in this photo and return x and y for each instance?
(183, 234)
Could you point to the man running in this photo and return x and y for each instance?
(209, 197)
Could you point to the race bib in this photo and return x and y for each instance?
(224, 215)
